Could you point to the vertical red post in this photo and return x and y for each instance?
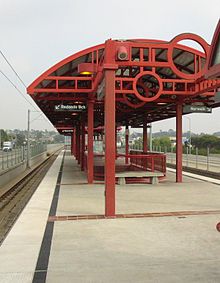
(90, 156)
(77, 142)
(126, 143)
(179, 147)
(116, 140)
(145, 136)
(110, 149)
(72, 143)
(83, 133)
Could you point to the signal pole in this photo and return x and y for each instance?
(28, 141)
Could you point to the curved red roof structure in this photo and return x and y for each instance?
(126, 83)
(149, 82)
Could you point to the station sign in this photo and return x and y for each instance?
(67, 131)
(196, 109)
(70, 107)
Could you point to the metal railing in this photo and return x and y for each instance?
(198, 159)
(148, 161)
(18, 155)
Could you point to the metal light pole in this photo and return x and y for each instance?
(28, 141)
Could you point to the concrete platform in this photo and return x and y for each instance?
(184, 248)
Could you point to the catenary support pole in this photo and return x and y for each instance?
(28, 140)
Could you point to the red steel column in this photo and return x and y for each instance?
(90, 156)
(74, 142)
(179, 147)
(126, 144)
(83, 132)
(116, 140)
(145, 137)
(77, 142)
(110, 150)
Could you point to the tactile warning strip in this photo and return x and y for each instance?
(134, 215)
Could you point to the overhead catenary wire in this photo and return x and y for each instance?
(10, 65)
(36, 118)
(20, 79)
(10, 81)
(22, 94)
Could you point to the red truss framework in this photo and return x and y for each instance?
(148, 82)
(127, 83)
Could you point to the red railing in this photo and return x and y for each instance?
(153, 162)
(148, 161)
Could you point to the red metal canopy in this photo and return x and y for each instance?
(149, 81)
(126, 83)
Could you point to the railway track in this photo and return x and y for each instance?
(13, 201)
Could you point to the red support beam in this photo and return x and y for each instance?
(76, 145)
(110, 149)
(79, 144)
(179, 147)
(72, 143)
(116, 140)
(126, 143)
(145, 136)
(83, 134)
(90, 156)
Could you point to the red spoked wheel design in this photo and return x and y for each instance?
(147, 86)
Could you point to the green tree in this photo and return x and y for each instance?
(58, 138)
(3, 137)
(162, 141)
(20, 138)
(206, 141)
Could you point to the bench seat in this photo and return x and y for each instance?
(138, 174)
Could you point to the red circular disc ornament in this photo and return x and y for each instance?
(218, 227)
(153, 75)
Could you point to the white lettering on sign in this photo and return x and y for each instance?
(67, 131)
(74, 107)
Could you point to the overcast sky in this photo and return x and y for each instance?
(35, 34)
